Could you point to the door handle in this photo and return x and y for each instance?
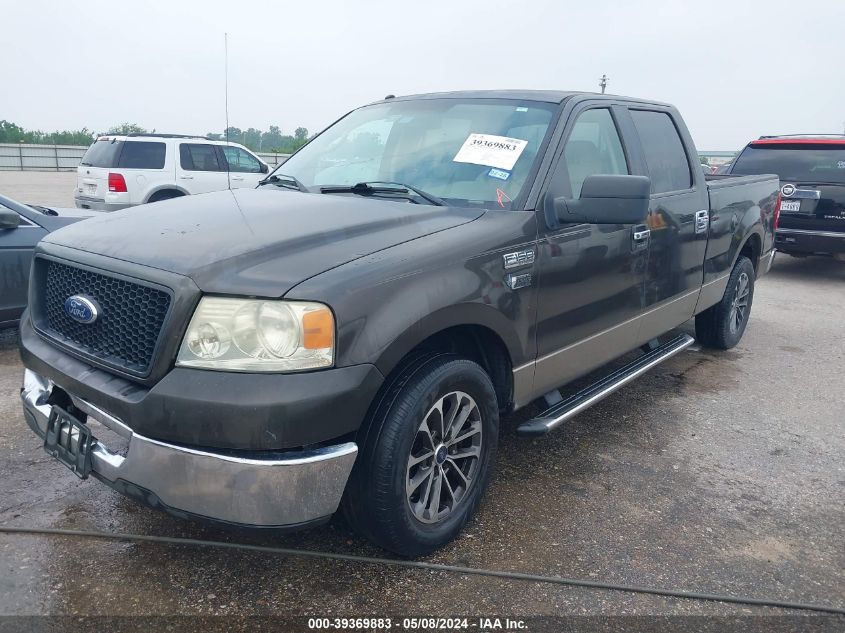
(186, 177)
(702, 221)
(640, 236)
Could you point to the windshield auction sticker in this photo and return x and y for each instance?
(493, 151)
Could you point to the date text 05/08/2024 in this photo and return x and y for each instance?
(418, 624)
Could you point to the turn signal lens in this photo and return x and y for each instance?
(318, 329)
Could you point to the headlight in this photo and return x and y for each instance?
(258, 335)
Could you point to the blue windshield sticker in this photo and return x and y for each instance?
(501, 174)
(522, 109)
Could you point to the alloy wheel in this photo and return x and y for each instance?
(444, 458)
(739, 305)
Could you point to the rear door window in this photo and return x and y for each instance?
(665, 157)
(102, 153)
(239, 160)
(142, 155)
(198, 157)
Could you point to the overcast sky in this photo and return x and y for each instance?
(735, 69)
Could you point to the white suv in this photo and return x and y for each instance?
(122, 171)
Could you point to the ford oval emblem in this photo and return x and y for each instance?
(787, 190)
(82, 309)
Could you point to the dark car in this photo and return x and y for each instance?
(812, 175)
(21, 226)
(348, 334)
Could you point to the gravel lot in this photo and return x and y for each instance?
(716, 472)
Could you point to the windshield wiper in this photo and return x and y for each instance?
(281, 180)
(392, 188)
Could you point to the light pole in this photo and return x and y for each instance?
(603, 82)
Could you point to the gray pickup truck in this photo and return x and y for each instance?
(348, 334)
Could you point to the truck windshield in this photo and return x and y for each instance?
(476, 152)
(794, 162)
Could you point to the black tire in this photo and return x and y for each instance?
(723, 325)
(158, 196)
(376, 502)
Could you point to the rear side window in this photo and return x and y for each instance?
(142, 155)
(198, 157)
(239, 160)
(102, 153)
(668, 166)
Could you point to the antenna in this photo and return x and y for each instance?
(226, 84)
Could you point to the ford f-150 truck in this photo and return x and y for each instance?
(348, 334)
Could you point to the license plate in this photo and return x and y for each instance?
(91, 189)
(69, 441)
(790, 205)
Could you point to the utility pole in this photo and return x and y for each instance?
(603, 82)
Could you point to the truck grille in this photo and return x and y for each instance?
(127, 331)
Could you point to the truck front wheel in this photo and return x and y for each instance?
(427, 458)
(723, 325)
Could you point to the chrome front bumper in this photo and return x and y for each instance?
(289, 489)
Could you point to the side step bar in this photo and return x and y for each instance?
(591, 394)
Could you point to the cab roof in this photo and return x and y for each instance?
(544, 96)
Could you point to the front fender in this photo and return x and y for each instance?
(389, 302)
(473, 314)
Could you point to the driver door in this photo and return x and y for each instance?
(245, 170)
(592, 276)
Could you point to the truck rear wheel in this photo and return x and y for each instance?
(723, 325)
(427, 458)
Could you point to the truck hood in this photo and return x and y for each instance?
(256, 241)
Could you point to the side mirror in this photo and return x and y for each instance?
(9, 219)
(607, 199)
(265, 168)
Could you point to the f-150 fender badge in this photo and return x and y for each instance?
(518, 259)
(517, 281)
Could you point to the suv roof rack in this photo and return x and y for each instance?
(837, 136)
(153, 134)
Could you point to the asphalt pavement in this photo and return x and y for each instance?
(719, 472)
(50, 188)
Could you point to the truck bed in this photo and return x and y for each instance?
(720, 181)
(736, 204)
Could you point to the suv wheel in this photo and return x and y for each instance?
(428, 457)
(723, 325)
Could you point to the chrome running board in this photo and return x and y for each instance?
(554, 416)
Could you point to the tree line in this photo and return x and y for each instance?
(271, 140)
